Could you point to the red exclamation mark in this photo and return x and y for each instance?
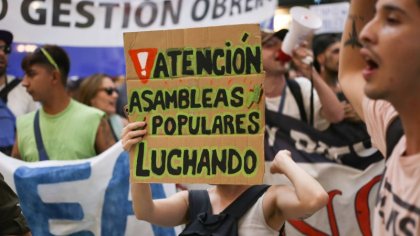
(143, 62)
(142, 57)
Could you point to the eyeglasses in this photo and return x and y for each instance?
(6, 49)
(109, 90)
(49, 58)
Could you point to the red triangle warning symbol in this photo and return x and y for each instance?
(143, 61)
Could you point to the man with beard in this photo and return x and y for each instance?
(14, 100)
(12, 92)
(326, 48)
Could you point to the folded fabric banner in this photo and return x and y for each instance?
(342, 159)
(85, 197)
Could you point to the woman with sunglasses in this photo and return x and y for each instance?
(100, 91)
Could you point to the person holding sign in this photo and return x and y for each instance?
(55, 132)
(266, 216)
(379, 74)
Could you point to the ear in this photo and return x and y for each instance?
(321, 59)
(56, 76)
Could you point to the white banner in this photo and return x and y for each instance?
(92, 197)
(86, 197)
(102, 22)
(352, 199)
(333, 16)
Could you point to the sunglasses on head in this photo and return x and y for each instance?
(109, 90)
(6, 49)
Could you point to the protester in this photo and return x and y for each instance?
(381, 80)
(293, 97)
(279, 97)
(266, 216)
(11, 90)
(99, 91)
(14, 100)
(326, 48)
(62, 129)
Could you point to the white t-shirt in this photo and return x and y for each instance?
(18, 100)
(397, 210)
(253, 222)
(291, 108)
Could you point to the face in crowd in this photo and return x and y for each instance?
(106, 96)
(330, 58)
(4, 52)
(99, 91)
(392, 51)
(46, 72)
(270, 56)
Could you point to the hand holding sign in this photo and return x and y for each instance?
(132, 134)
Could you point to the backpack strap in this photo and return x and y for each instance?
(43, 156)
(199, 202)
(9, 86)
(394, 133)
(297, 94)
(244, 202)
(112, 129)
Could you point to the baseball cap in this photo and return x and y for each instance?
(266, 35)
(6, 36)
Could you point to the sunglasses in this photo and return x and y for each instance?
(6, 49)
(109, 90)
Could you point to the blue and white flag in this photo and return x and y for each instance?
(84, 197)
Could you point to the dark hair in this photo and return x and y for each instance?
(321, 42)
(58, 55)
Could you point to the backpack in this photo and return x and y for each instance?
(9, 86)
(204, 223)
(8, 128)
(394, 133)
(7, 120)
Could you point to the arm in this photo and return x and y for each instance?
(332, 109)
(171, 211)
(283, 202)
(104, 138)
(351, 62)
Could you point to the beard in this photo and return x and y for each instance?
(3, 71)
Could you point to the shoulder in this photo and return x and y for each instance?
(87, 110)
(25, 119)
(302, 82)
(378, 115)
(305, 86)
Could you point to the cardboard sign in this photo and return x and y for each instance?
(200, 91)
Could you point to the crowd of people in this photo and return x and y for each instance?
(358, 80)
